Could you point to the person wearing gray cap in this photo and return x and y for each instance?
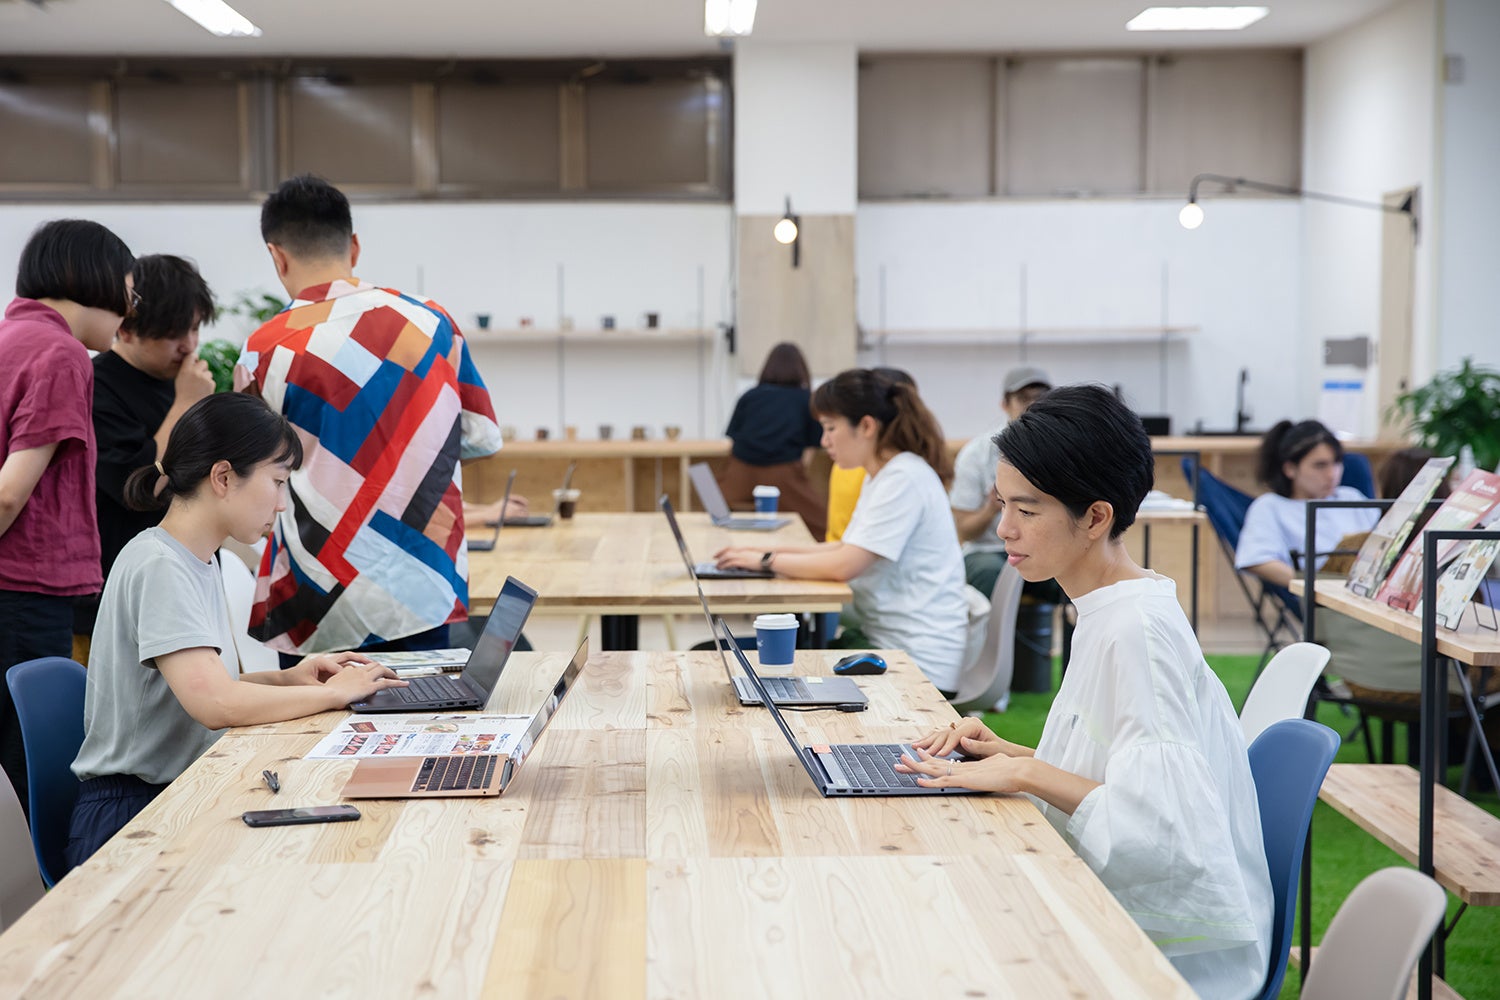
(972, 497)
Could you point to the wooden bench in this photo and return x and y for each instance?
(1382, 799)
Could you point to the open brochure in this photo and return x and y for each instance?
(1461, 577)
(420, 736)
(1471, 503)
(1380, 550)
(423, 661)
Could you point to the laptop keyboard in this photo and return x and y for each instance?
(872, 765)
(448, 774)
(787, 688)
(430, 689)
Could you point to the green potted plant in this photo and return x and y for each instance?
(1457, 408)
(222, 354)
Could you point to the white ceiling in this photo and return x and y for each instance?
(536, 28)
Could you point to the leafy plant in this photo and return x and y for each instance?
(1457, 408)
(221, 356)
(257, 306)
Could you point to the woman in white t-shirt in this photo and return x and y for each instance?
(1142, 764)
(900, 553)
(1298, 462)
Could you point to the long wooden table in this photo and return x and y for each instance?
(621, 566)
(662, 841)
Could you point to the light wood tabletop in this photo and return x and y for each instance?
(628, 564)
(1469, 643)
(662, 841)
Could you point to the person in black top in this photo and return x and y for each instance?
(142, 385)
(771, 428)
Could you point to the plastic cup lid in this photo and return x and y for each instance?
(776, 621)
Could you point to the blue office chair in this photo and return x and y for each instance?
(49, 701)
(1357, 473)
(1288, 762)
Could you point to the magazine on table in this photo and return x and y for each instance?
(1471, 503)
(416, 662)
(1381, 549)
(420, 736)
(1461, 577)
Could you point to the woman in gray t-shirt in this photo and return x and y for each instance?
(162, 678)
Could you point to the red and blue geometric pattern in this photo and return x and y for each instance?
(386, 399)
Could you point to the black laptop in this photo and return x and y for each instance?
(538, 520)
(842, 768)
(706, 570)
(470, 689)
(794, 692)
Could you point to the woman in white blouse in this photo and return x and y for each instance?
(900, 553)
(1141, 765)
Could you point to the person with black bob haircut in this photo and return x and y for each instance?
(143, 385)
(164, 678)
(900, 553)
(1141, 765)
(770, 432)
(73, 287)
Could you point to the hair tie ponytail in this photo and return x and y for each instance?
(159, 470)
(162, 479)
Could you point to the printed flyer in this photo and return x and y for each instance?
(420, 736)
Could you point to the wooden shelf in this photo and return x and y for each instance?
(1382, 799)
(1468, 643)
(643, 335)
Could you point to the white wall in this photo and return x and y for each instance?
(622, 259)
(1369, 110)
(794, 121)
(1468, 294)
(958, 266)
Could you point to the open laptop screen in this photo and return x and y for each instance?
(509, 615)
(708, 491)
(687, 557)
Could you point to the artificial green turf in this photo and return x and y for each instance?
(1342, 852)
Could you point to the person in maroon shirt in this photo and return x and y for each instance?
(73, 289)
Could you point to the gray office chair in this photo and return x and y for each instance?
(1373, 942)
(984, 684)
(20, 881)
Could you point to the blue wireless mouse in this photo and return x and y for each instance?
(860, 663)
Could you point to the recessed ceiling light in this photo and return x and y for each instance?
(728, 17)
(218, 17)
(1196, 18)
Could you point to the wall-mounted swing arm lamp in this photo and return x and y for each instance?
(788, 231)
(1191, 215)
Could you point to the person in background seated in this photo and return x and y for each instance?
(73, 288)
(371, 554)
(844, 484)
(143, 385)
(974, 512)
(1141, 765)
(900, 554)
(163, 677)
(1298, 462)
(770, 432)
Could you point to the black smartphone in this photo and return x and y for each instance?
(305, 814)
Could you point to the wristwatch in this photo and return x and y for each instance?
(765, 560)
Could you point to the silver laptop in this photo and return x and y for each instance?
(707, 570)
(539, 520)
(460, 775)
(793, 692)
(712, 498)
(488, 544)
(470, 689)
(842, 768)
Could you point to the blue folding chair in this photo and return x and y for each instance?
(49, 701)
(1277, 611)
(1357, 473)
(1288, 762)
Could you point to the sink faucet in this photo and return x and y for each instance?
(1241, 415)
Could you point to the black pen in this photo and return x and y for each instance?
(272, 781)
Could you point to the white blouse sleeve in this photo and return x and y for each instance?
(1155, 832)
